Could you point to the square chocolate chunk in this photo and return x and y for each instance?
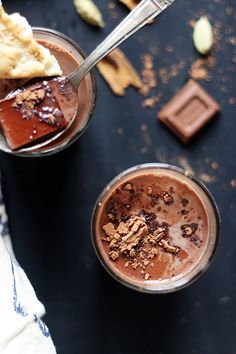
(188, 111)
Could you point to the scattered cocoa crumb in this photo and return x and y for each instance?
(232, 100)
(144, 150)
(166, 73)
(28, 99)
(233, 183)
(28, 95)
(199, 69)
(170, 49)
(231, 40)
(229, 11)
(111, 5)
(206, 178)
(151, 101)
(148, 74)
(144, 127)
(214, 165)
(120, 131)
(184, 163)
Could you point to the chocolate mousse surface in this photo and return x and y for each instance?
(152, 227)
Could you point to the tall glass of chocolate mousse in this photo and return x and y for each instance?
(155, 228)
(69, 55)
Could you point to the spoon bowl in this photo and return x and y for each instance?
(142, 14)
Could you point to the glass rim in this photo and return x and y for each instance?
(115, 275)
(51, 150)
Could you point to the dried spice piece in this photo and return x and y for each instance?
(119, 72)
(189, 229)
(203, 35)
(131, 4)
(89, 12)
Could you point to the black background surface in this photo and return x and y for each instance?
(50, 200)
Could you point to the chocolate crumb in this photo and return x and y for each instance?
(128, 187)
(167, 247)
(184, 202)
(167, 198)
(114, 255)
(147, 276)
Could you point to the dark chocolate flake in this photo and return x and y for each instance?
(167, 198)
(110, 208)
(184, 202)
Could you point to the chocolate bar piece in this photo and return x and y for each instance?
(188, 111)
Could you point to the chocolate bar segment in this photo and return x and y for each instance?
(188, 111)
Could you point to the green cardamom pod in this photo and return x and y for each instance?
(89, 12)
(203, 35)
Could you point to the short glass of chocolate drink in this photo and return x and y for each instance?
(155, 228)
(69, 56)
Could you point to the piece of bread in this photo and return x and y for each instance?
(20, 55)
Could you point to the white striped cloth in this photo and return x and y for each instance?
(21, 329)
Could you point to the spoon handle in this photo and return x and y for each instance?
(145, 11)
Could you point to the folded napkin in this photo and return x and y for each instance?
(21, 329)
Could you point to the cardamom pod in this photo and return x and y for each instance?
(89, 12)
(203, 35)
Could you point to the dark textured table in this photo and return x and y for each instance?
(50, 200)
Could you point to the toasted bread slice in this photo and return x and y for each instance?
(20, 55)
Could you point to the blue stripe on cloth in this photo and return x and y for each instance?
(20, 310)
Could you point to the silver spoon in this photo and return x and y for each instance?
(144, 12)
